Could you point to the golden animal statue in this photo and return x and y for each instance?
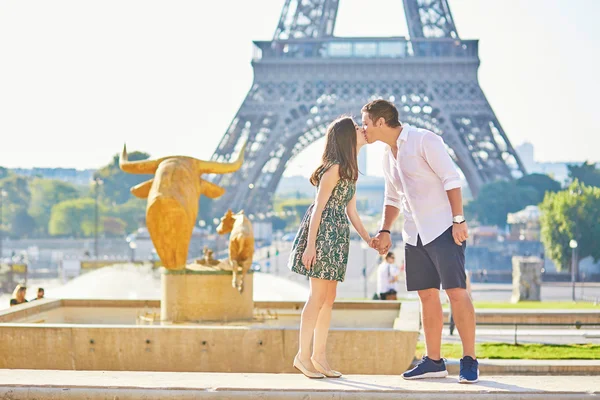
(241, 245)
(173, 196)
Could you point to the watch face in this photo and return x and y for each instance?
(458, 219)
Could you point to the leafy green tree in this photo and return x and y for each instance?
(132, 213)
(4, 172)
(497, 199)
(573, 213)
(586, 173)
(113, 226)
(15, 203)
(45, 193)
(22, 224)
(74, 218)
(116, 183)
(540, 182)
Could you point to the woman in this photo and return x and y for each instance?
(387, 276)
(18, 296)
(320, 250)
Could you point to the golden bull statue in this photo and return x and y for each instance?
(173, 196)
(241, 245)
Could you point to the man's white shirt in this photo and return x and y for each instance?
(416, 182)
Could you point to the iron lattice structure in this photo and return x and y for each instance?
(305, 77)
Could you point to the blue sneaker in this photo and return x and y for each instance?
(427, 368)
(469, 370)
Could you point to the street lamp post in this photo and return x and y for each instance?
(2, 195)
(132, 246)
(97, 183)
(573, 246)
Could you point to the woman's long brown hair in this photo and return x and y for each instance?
(340, 147)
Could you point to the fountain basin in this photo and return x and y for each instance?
(367, 337)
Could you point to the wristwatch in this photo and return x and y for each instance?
(458, 219)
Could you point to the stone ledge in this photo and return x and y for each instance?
(532, 367)
(92, 385)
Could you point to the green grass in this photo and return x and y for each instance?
(546, 305)
(521, 351)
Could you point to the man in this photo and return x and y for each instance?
(421, 179)
(40, 294)
(387, 276)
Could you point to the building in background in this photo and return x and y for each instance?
(556, 170)
(524, 224)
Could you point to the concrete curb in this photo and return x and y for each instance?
(531, 367)
(179, 394)
(96, 385)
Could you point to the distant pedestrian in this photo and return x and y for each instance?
(18, 296)
(387, 277)
(40, 294)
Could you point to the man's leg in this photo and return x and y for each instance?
(422, 277)
(433, 321)
(464, 318)
(449, 259)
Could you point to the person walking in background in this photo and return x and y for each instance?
(320, 249)
(40, 294)
(18, 296)
(387, 278)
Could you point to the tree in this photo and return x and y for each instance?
(75, 218)
(116, 183)
(497, 199)
(16, 201)
(573, 213)
(131, 213)
(45, 193)
(113, 226)
(540, 182)
(586, 173)
(22, 224)
(3, 172)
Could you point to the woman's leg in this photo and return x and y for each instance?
(322, 327)
(310, 313)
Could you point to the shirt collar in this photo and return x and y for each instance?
(404, 134)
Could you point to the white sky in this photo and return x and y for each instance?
(80, 77)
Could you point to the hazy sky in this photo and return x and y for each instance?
(78, 77)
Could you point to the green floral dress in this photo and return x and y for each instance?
(333, 236)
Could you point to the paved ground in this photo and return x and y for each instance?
(16, 384)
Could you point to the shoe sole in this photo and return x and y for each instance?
(462, 380)
(439, 374)
(309, 377)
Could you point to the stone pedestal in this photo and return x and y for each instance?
(196, 296)
(527, 278)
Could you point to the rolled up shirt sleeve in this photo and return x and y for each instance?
(439, 160)
(391, 196)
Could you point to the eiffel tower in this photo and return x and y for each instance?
(305, 77)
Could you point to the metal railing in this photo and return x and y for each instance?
(340, 48)
(576, 324)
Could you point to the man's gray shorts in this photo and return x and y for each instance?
(439, 262)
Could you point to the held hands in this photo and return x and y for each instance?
(382, 242)
(460, 233)
(373, 242)
(309, 257)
